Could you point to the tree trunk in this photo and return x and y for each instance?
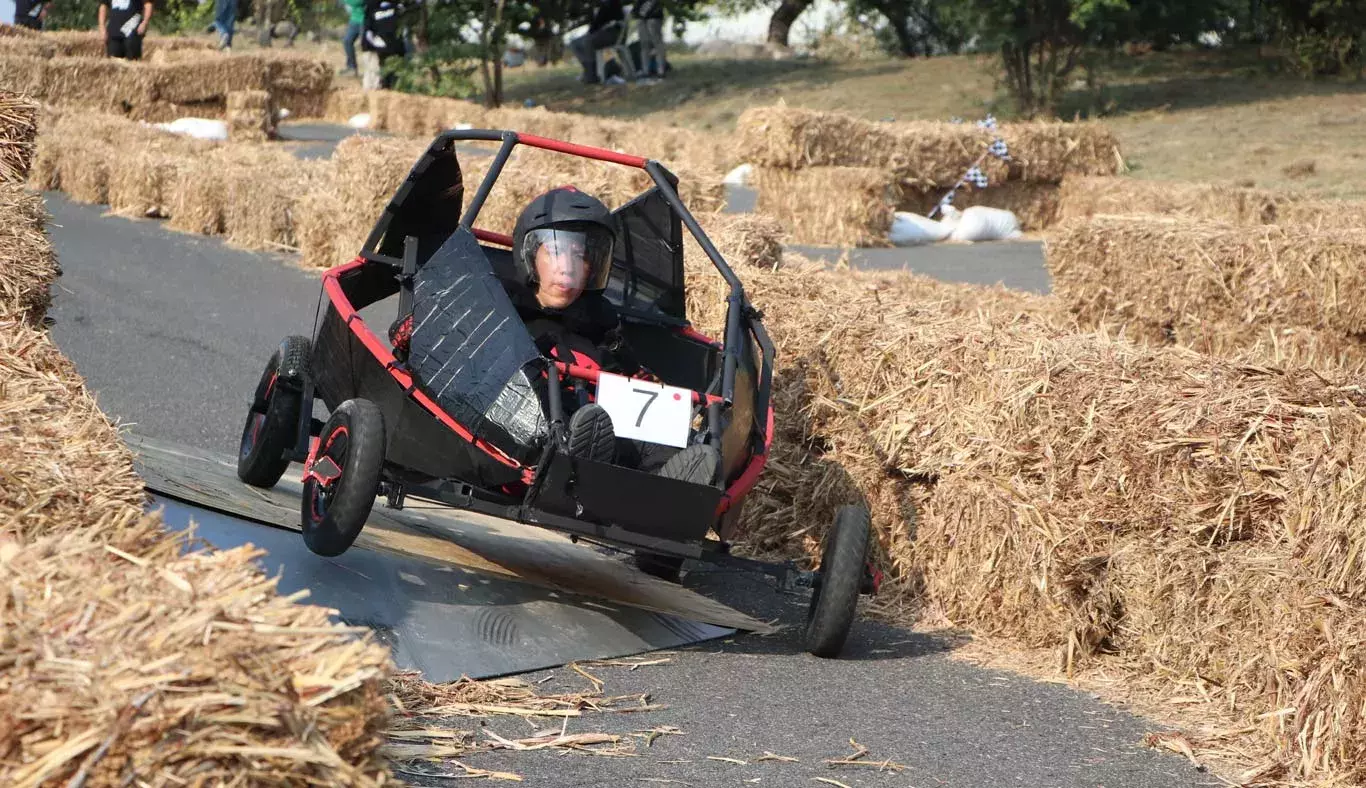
(780, 24)
(491, 37)
(264, 9)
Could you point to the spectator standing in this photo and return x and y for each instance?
(124, 23)
(651, 27)
(603, 30)
(224, 20)
(30, 13)
(355, 22)
(382, 36)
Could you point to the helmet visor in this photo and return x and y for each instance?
(570, 259)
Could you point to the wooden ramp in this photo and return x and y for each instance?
(452, 592)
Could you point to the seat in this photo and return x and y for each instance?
(619, 50)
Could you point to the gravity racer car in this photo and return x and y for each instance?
(467, 423)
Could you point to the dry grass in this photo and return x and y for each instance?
(18, 122)
(1084, 197)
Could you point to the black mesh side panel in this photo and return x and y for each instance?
(470, 350)
(647, 266)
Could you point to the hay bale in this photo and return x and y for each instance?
(99, 83)
(368, 171)
(26, 260)
(744, 241)
(260, 201)
(18, 127)
(830, 206)
(1165, 271)
(320, 222)
(1036, 205)
(1085, 197)
(199, 82)
(25, 75)
(343, 103)
(299, 84)
(85, 170)
(251, 116)
(924, 154)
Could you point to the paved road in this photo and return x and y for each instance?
(171, 332)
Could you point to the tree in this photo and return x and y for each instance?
(917, 27)
(1042, 42)
(780, 24)
(1321, 36)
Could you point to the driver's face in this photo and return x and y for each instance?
(561, 270)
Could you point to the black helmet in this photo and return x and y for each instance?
(568, 219)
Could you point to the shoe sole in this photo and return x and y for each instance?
(692, 467)
(591, 437)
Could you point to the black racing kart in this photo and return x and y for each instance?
(473, 417)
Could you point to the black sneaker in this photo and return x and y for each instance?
(590, 434)
(698, 464)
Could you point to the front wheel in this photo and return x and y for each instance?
(341, 483)
(273, 420)
(839, 581)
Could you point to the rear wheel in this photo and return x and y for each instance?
(839, 581)
(349, 459)
(273, 420)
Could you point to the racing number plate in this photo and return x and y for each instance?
(646, 411)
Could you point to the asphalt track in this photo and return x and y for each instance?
(171, 331)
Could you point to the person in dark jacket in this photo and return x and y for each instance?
(603, 30)
(382, 34)
(651, 27)
(30, 13)
(124, 23)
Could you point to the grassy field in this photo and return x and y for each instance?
(1223, 118)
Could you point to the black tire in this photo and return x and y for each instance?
(334, 514)
(272, 423)
(664, 567)
(835, 598)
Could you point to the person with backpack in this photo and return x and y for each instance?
(651, 27)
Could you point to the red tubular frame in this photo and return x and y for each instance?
(332, 286)
(591, 375)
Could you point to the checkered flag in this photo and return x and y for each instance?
(999, 150)
(988, 123)
(976, 177)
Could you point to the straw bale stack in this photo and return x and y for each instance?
(1036, 205)
(1164, 271)
(845, 206)
(251, 116)
(1086, 197)
(299, 84)
(117, 639)
(18, 119)
(27, 46)
(923, 154)
(1162, 513)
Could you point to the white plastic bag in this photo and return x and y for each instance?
(980, 223)
(361, 121)
(200, 128)
(740, 175)
(912, 229)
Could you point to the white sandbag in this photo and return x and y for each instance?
(980, 223)
(739, 176)
(912, 229)
(199, 128)
(361, 121)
